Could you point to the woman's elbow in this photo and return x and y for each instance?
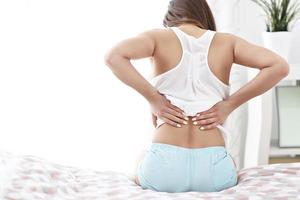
(281, 67)
(284, 68)
(114, 58)
(109, 58)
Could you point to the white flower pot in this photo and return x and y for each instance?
(279, 42)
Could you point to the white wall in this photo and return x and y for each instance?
(57, 98)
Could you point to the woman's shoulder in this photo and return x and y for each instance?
(223, 35)
(224, 38)
(161, 36)
(156, 32)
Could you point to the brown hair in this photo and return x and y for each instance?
(189, 11)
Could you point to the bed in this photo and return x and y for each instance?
(26, 177)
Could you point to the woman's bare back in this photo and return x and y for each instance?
(167, 55)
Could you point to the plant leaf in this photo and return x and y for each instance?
(279, 13)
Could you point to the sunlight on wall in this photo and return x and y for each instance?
(58, 100)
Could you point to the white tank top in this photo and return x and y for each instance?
(191, 85)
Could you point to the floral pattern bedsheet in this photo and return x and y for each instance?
(25, 177)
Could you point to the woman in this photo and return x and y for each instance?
(189, 96)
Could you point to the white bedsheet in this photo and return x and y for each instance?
(25, 177)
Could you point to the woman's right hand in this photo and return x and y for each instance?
(162, 108)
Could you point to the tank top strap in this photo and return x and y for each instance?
(191, 43)
(208, 40)
(184, 41)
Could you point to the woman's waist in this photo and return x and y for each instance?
(188, 135)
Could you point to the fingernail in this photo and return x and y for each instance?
(198, 115)
(195, 123)
(184, 122)
(201, 128)
(193, 118)
(178, 125)
(185, 117)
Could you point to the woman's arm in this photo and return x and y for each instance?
(272, 68)
(118, 59)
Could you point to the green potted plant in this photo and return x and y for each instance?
(279, 16)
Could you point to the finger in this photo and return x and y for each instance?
(212, 109)
(176, 113)
(208, 115)
(175, 107)
(210, 126)
(170, 122)
(170, 116)
(154, 118)
(207, 121)
(205, 116)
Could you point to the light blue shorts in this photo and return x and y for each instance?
(171, 168)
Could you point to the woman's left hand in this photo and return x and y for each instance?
(210, 118)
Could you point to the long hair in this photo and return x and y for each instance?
(196, 12)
